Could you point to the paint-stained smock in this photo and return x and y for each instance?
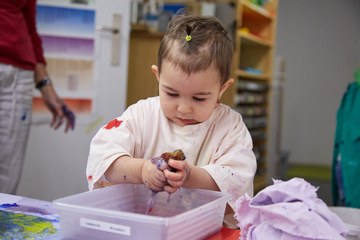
(221, 145)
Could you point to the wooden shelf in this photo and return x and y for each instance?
(138, 27)
(244, 74)
(256, 11)
(254, 50)
(250, 39)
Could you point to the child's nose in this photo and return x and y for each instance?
(184, 108)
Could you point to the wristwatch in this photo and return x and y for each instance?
(42, 83)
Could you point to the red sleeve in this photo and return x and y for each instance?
(30, 18)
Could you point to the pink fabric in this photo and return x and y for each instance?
(287, 210)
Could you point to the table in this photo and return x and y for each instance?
(28, 218)
(226, 234)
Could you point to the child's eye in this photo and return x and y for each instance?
(199, 99)
(172, 94)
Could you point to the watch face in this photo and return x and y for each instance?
(43, 82)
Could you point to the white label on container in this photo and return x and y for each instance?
(105, 226)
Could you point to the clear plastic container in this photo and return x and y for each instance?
(118, 212)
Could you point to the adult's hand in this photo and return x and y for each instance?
(58, 109)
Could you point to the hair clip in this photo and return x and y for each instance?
(188, 38)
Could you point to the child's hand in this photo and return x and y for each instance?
(152, 177)
(176, 179)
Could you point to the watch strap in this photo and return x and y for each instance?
(42, 83)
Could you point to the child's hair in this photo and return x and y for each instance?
(195, 43)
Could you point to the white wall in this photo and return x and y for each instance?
(55, 162)
(320, 42)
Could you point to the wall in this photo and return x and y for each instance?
(55, 162)
(320, 42)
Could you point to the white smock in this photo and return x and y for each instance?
(221, 145)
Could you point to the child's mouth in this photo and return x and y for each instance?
(187, 121)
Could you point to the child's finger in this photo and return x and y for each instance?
(175, 184)
(176, 180)
(160, 176)
(170, 189)
(159, 184)
(178, 165)
(173, 176)
(153, 185)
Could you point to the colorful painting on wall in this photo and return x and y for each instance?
(68, 39)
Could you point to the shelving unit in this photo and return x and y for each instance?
(253, 60)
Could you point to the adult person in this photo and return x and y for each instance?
(22, 65)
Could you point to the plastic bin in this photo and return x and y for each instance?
(118, 212)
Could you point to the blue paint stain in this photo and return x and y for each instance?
(8, 205)
(23, 208)
(24, 116)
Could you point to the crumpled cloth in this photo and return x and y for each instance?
(287, 210)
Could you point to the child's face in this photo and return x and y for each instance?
(188, 99)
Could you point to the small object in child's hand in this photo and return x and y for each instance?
(176, 155)
(162, 164)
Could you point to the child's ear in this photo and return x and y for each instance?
(155, 70)
(225, 86)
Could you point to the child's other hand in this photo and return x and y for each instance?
(152, 177)
(176, 179)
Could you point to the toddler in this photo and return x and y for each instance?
(193, 71)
